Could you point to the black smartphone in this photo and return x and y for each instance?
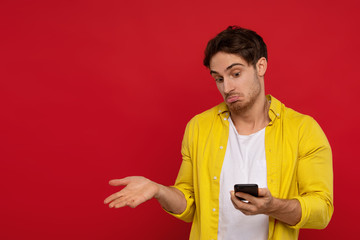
(251, 189)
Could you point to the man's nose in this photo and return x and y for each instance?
(228, 85)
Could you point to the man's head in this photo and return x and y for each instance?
(245, 43)
(237, 60)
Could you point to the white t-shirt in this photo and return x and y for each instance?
(244, 162)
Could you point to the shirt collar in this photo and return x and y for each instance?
(275, 108)
(222, 108)
(274, 111)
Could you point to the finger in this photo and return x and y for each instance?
(111, 198)
(120, 205)
(233, 197)
(238, 204)
(120, 202)
(233, 201)
(245, 196)
(132, 202)
(114, 196)
(243, 207)
(119, 182)
(263, 192)
(248, 213)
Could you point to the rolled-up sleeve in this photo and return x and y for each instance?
(314, 177)
(184, 180)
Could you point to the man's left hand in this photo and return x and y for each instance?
(256, 205)
(285, 210)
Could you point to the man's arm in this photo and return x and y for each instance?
(139, 189)
(284, 210)
(315, 183)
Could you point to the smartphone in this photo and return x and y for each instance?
(251, 189)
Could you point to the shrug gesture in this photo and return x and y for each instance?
(139, 189)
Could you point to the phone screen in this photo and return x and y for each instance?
(251, 189)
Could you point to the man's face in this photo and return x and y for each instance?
(237, 81)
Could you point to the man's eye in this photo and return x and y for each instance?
(237, 74)
(220, 79)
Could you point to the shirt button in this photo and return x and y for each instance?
(225, 119)
(214, 209)
(215, 177)
(221, 147)
(219, 111)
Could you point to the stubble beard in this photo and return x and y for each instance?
(239, 108)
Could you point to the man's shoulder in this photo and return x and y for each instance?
(211, 113)
(289, 114)
(203, 121)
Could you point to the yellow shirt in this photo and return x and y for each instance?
(299, 166)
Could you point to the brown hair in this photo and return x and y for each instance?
(236, 40)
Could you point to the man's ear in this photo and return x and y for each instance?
(261, 67)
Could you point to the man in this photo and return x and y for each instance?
(249, 138)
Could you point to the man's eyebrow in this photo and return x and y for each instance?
(213, 72)
(229, 67)
(234, 64)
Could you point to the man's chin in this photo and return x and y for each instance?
(237, 107)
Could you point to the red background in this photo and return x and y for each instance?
(96, 90)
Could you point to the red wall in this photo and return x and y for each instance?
(96, 90)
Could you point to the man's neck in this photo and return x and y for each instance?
(254, 119)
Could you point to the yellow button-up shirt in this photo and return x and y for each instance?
(299, 166)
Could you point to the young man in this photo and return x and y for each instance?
(249, 138)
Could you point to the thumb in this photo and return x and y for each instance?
(262, 192)
(119, 182)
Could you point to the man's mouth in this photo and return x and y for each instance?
(232, 99)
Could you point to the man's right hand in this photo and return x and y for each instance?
(136, 191)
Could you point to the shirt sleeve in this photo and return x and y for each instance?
(314, 176)
(184, 180)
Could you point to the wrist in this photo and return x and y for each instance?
(274, 205)
(159, 191)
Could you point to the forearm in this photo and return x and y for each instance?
(285, 210)
(171, 199)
